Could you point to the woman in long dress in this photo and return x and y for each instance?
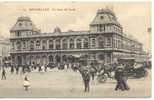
(26, 84)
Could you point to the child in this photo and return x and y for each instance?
(26, 84)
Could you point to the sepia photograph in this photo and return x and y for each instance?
(75, 49)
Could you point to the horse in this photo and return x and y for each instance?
(107, 69)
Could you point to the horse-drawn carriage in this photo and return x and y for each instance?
(135, 68)
(104, 71)
(137, 71)
(100, 70)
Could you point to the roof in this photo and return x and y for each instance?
(60, 34)
(105, 16)
(24, 23)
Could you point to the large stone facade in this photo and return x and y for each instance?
(105, 41)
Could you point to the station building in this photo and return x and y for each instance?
(104, 41)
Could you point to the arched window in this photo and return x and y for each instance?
(44, 44)
(101, 42)
(57, 44)
(31, 45)
(86, 43)
(64, 43)
(51, 44)
(18, 45)
(71, 43)
(20, 24)
(78, 41)
(24, 45)
(37, 44)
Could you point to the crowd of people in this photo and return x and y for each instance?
(87, 72)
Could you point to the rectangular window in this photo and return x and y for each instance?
(12, 45)
(24, 45)
(44, 44)
(108, 42)
(86, 45)
(71, 45)
(64, 46)
(93, 43)
(18, 33)
(58, 46)
(51, 46)
(78, 45)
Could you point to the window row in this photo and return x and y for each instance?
(64, 44)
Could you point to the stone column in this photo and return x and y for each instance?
(75, 45)
(61, 44)
(68, 44)
(47, 44)
(54, 44)
(82, 43)
(34, 44)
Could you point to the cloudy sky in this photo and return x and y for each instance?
(134, 17)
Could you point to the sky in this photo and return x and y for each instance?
(135, 17)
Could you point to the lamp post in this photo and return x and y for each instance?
(149, 30)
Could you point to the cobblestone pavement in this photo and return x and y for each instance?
(67, 83)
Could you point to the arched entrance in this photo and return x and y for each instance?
(37, 59)
(19, 60)
(58, 59)
(44, 60)
(64, 58)
(50, 58)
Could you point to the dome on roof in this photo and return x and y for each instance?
(24, 24)
(57, 30)
(105, 16)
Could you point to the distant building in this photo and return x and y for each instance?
(4, 48)
(104, 41)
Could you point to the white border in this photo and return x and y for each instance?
(90, 1)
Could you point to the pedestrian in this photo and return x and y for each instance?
(3, 74)
(17, 69)
(86, 80)
(45, 68)
(124, 80)
(12, 69)
(35, 67)
(23, 69)
(40, 69)
(118, 77)
(26, 83)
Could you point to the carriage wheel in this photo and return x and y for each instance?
(102, 78)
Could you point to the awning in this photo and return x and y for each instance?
(77, 56)
(140, 60)
(129, 58)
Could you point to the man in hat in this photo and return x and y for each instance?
(119, 78)
(3, 74)
(86, 79)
